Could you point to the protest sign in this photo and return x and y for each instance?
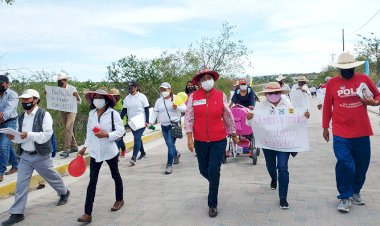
(60, 99)
(283, 132)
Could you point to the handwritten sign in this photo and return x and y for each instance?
(281, 132)
(60, 99)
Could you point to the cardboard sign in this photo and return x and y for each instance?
(282, 132)
(60, 99)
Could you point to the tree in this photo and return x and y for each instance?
(369, 48)
(10, 2)
(222, 53)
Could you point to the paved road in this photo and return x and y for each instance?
(153, 198)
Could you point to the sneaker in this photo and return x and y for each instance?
(355, 198)
(284, 204)
(73, 149)
(212, 212)
(133, 161)
(13, 219)
(64, 154)
(176, 158)
(344, 205)
(142, 155)
(169, 170)
(63, 200)
(273, 184)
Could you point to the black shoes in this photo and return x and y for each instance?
(142, 155)
(212, 212)
(273, 184)
(63, 199)
(284, 204)
(13, 219)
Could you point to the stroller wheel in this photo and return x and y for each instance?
(254, 159)
(258, 151)
(224, 159)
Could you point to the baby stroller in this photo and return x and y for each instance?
(246, 145)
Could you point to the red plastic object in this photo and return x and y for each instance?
(96, 130)
(77, 166)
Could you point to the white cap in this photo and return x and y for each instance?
(30, 93)
(166, 85)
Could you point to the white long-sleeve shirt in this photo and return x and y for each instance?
(159, 111)
(27, 144)
(73, 90)
(103, 148)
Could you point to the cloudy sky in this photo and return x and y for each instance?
(84, 37)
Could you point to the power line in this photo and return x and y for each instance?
(378, 11)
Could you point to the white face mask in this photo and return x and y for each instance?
(99, 103)
(165, 94)
(207, 85)
(243, 87)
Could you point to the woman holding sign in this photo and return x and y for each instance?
(168, 111)
(275, 105)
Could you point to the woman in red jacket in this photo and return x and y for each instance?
(206, 120)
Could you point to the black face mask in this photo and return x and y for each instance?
(27, 106)
(2, 89)
(130, 89)
(190, 89)
(60, 83)
(347, 73)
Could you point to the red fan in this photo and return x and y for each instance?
(77, 166)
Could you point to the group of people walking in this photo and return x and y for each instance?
(208, 119)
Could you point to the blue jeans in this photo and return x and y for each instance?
(282, 167)
(210, 155)
(138, 145)
(7, 154)
(170, 142)
(353, 156)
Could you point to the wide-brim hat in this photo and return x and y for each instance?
(62, 76)
(205, 70)
(346, 61)
(272, 87)
(280, 78)
(89, 96)
(302, 79)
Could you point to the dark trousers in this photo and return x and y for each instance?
(120, 144)
(138, 144)
(353, 156)
(279, 160)
(94, 173)
(210, 155)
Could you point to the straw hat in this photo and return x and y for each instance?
(204, 71)
(62, 76)
(302, 79)
(272, 87)
(114, 91)
(345, 61)
(280, 78)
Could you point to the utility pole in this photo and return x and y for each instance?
(343, 38)
(332, 57)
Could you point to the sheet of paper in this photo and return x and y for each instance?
(16, 134)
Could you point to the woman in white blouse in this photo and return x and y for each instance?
(166, 111)
(104, 126)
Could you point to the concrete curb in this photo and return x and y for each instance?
(10, 187)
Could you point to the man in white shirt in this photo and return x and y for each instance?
(68, 118)
(36, 128)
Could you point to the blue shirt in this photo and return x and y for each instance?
(8, 104)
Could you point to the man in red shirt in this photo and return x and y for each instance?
(351, 128)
